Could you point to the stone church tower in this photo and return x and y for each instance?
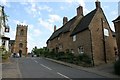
(21, 39)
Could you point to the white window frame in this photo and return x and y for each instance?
(58, 38)
(74, 38)
(72, 51)
(80, 50)
(106, 32)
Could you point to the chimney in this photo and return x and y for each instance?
(80, 11)
(65, 20)
(54, 28)
(97, 3)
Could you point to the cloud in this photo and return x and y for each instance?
(18, 22)
(5, 3)
(35, 10)
(46, 24)
(76, 3)
(45, 7)
(37, 32)
(114, 13)
(82, 3)
(32, 9)
(33, 34)
(54, 18)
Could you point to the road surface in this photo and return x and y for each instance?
(37, 67)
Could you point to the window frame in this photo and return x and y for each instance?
(80, 50)
(74, 38)
(106, 32)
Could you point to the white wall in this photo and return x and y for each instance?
(7, 45)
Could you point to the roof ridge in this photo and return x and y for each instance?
(84, 22)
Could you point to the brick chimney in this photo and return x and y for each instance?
(97, 3)
(65, 20)
(80, 11)
(54, 28)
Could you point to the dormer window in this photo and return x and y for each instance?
(58, 38)
(74, 38)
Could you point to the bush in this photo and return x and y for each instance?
(117, 67)
(85, 58)
(5, 56)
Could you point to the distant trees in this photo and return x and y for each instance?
(40, 51)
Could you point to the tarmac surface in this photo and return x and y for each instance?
(11, 69)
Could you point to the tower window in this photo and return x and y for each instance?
(20, 45)
(22, 32)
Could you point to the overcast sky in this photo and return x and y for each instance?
(42, 15)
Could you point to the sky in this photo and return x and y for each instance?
(42, 15)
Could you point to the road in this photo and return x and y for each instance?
(37, 67)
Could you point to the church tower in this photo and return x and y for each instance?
(21, 39)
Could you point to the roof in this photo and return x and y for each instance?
(65, 28)
(84, 23)
(6, 38)
(118, 18)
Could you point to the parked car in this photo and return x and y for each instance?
(15, 55)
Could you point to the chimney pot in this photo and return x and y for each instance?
(65, 20)
(97, 4)
(54, 28)
(80, 11)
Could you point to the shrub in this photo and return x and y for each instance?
(85, 58)
(5, 56)
(117, 67)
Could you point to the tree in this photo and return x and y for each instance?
(34, 50)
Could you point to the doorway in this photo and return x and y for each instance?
(20, 52)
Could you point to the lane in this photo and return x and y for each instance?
(67, 71)
(34, 67)
(30, 68)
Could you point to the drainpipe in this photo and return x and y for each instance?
(91, 49)
(104, 46)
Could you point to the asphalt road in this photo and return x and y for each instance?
(34, 67)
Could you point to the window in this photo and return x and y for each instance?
(22, 32)
(60, 46)
(80, 50)
(106, 32)
(74, 38)
(72, 51)
(20, 45)
(58, 38)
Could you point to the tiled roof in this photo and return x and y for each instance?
(65, 28)
(84, 23)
